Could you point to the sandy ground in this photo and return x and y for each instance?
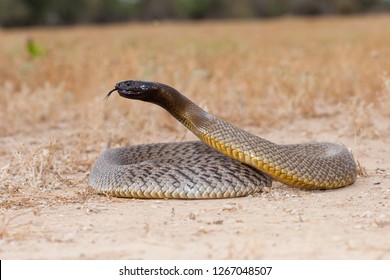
(280, 223)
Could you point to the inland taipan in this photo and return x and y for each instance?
(227, 162)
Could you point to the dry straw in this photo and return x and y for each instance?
(263, 74)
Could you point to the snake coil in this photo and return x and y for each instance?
(227, 162)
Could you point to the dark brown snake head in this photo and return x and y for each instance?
(135, 89)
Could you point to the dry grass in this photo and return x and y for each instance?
(263, 74)
(295, 67)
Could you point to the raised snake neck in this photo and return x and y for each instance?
(308, 166)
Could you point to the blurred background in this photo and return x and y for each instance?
(67, 12)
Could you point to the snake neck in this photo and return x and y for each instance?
(204, 125)
(184, 110)
(216, 133)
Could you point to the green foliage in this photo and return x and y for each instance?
(13, 13)
(197, 9)
(46, 12)
(34, 49)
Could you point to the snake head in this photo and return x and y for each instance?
(135, 89)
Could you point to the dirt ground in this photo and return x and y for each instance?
(52, 133)
(280, 223)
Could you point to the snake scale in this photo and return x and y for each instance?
(227, 162)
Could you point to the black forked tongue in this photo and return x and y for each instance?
(108, 94)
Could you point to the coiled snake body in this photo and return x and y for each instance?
(232, 163)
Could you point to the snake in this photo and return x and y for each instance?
(227, 161)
